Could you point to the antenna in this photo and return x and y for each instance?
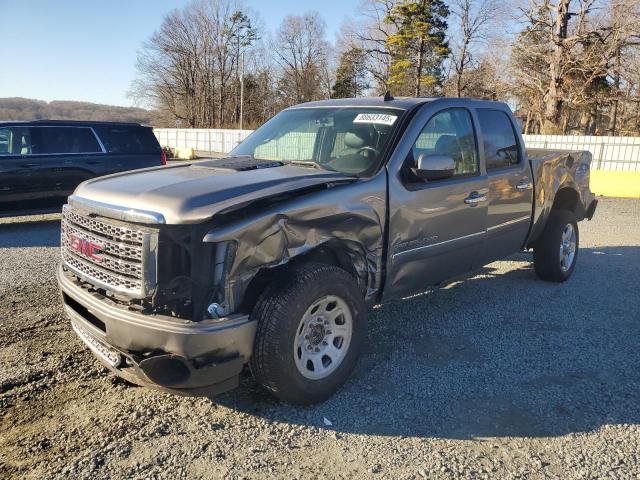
(388, 96)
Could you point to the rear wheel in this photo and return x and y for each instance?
(556, 252)
(310, 330)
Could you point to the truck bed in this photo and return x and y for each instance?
(553, 171)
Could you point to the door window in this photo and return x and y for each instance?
(5, 141)
(6, 145)
(450, 133)
(500, 142)
(63, 140)
(121, 139)
(15, 141)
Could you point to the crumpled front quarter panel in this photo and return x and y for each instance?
(349, 218)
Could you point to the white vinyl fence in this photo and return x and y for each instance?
(609, 153)
(201, 139)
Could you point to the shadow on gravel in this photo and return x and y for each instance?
(39, 233)
(492, 355)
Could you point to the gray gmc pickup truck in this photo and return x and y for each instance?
(176, 277)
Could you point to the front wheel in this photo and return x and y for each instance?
(556, 252)
(310, 330)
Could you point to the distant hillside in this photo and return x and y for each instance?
(29, 109)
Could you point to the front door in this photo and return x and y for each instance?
(20, 171)
(436, 228)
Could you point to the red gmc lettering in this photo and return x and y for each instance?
(85, 248)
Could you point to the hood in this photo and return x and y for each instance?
(195, 192)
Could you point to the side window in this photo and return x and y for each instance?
(449, 132)
(15, 141)
(5, 141)
(83, 141)
(500, 143)
(61, 140)
(128, 139)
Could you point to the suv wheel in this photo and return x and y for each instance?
(556, 252)
(310, 330)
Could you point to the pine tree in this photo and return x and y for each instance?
(351, 74)
(419, 46)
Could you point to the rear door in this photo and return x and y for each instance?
(67, 155)
(510, 199)
(436, 228)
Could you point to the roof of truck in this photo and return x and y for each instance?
(403, 103)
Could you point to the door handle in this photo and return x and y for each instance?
(475, 198)
(523, 185)
(29, 165)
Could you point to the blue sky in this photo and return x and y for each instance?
(86, 49)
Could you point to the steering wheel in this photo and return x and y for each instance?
(368, 149)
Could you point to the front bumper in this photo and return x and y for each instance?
(172, 354)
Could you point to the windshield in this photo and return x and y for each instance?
(349, 140)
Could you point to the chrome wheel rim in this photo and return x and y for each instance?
(323, 337)
(567, 248)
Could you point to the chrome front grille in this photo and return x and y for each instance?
(109, 254)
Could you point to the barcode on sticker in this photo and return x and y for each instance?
(382, 118)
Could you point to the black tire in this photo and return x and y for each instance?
(546, 252)
(279, 313)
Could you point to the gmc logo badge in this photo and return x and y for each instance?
(84, 247)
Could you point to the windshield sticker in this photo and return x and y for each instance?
(382, 118)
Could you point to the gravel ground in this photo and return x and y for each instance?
(499, 375)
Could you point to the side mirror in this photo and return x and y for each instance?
(435, 167)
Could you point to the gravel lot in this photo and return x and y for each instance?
(498, 375)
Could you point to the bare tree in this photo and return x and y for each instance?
(370, 34)
(301, 51)
(188, 66)
(472, 21)
(623, 27)
(167, 67)
(574, 39)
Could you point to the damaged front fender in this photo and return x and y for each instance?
(349, 218)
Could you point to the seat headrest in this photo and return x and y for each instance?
(354, 139)
(446, 144)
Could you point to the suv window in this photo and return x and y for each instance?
(15, 141)
(63, 140)
(5, 141)
(500, 142)
(449, 132)
(127, 139)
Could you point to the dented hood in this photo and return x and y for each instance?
(194, 192)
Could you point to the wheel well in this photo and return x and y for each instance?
(567, 199)
(327, 254)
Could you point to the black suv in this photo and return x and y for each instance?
(43, 161)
